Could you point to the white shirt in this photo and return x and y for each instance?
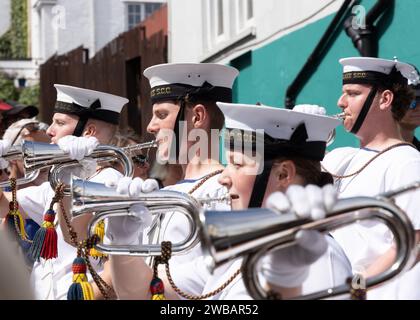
(191, 275)
(175, 228)
(330, 270)
(366, 241)
(52, 278)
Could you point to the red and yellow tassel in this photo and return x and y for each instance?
(44, 244)
(157, 289)
(80, 289)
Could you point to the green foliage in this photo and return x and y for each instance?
(7, 88)
(14, 43)
(8, 91)
(30, 95)
(5, 46)
(19, 29)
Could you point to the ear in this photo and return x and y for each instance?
(285, 174)
(199, 116)
(386, 99)
(90, 130)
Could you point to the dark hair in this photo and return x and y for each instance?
(403, 96)
(217, 119)
(309, 170)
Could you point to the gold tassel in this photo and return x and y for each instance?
(100, 232)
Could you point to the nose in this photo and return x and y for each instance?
(50, 131)
(225, 180)
(342, 103)
(153, 127)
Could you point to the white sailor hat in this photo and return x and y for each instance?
(205, 81)
(367, 70)
(285, 131)
(93, 104)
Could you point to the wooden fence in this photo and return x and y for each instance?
(117, 69)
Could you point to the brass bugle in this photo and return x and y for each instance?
(38, 155)
(105, 202)
(15, 153)
(254, 232)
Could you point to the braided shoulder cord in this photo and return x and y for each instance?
(367, 163)
(13, 210)
(164, 259)
(83, 247)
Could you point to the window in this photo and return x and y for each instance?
(219, 18)
(245, 14)
(226, 21)
(137, 12)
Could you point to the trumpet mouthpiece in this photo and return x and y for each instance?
(340, 116)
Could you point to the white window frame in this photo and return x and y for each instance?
(142, 5)
(232, 33)
(247, 22)
(219, 37)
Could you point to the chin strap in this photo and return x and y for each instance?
(177, 129)
(84, 117)
(365, 110)
(260, 186)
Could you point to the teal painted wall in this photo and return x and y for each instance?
(267, 72)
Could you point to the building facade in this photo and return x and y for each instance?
(270, 41)
(59, 26)
(117, 68)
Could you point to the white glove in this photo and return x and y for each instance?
(134, 187)
(311, 109)
(128, 230)
(307, 202)
(4, 148)
(289, 267)
(78, 147)
(83, 170)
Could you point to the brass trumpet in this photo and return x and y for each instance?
(38, 155)
(15, 153)
(254, 232)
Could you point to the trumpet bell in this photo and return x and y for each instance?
(226, 235)
(15, 153)
(90, 196)
(39, 155)
(254, 232)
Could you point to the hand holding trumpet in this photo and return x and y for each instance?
(78, 147)
(133, 187)
(127, 230)
(289, 267)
